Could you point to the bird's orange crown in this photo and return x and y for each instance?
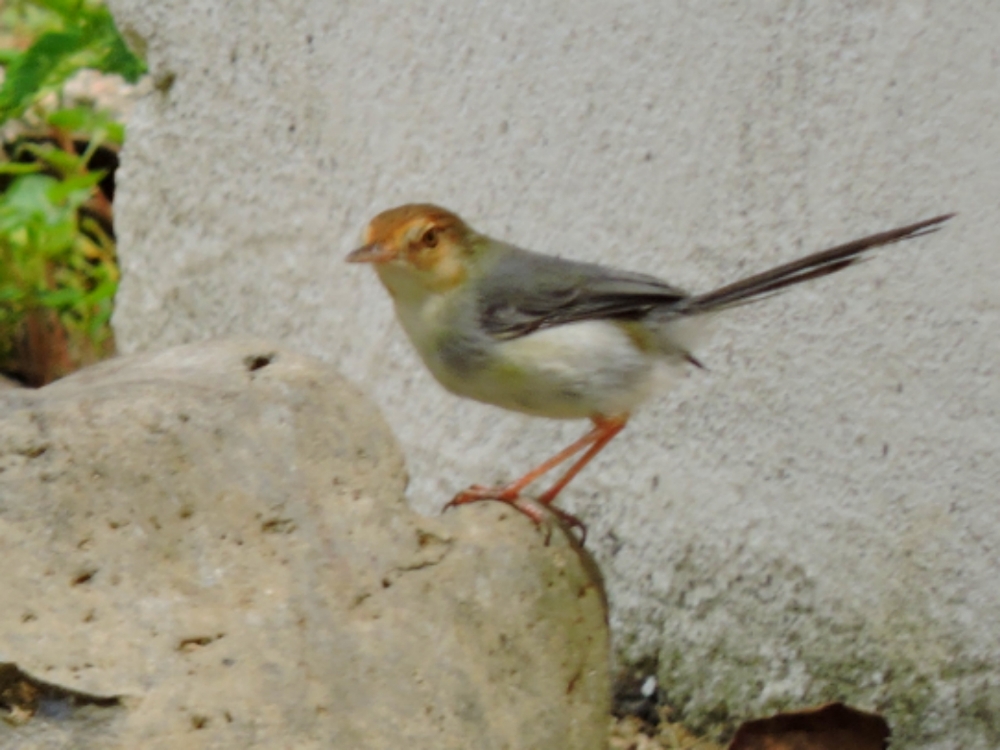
(420, 237)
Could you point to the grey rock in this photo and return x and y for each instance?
(209, 547)
(6, 382)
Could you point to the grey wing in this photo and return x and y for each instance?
(527, 291)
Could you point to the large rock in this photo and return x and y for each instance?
(208, 547)
(813, 519)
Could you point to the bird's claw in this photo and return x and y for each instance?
(570, 521)
(478, 492)
(527, 506)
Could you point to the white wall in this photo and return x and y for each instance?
(818, 515)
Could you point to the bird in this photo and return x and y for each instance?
(553, 337)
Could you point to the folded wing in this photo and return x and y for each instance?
(526, 291)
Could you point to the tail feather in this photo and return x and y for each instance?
(812, 266)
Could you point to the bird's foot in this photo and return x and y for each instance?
(530, 507)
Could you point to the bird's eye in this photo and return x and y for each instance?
(430, 238)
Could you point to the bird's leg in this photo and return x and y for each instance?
(604, 429)
(508, 493)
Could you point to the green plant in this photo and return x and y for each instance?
(58, 269)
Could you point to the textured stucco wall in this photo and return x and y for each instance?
(816, 516)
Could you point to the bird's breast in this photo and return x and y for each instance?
(571, 371)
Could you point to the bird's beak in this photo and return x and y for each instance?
(373, 252)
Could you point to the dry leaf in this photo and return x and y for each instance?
(830, 727)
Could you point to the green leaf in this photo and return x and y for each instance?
(114, 132)
(61, 298)
(88, 123)
(45, 65)
(12, 168)
(71, 188)
(54, 156)
(74, 118)
(11, 294)
(88, 39)
(104, 290)
(69, 10)
(120, 60)
(83, 119)
(111, 54)
(31, 18)
(26, 200)
(28, 206)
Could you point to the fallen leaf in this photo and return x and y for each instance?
(830, 727)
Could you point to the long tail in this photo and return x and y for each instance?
(810, 267)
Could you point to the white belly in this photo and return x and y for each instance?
(567, 372)
(571, 371)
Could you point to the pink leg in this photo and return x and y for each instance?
(605, 428)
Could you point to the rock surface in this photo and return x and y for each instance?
(6, 382)
(813, 519)
(208, 547)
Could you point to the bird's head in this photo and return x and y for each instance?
(418, 249)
